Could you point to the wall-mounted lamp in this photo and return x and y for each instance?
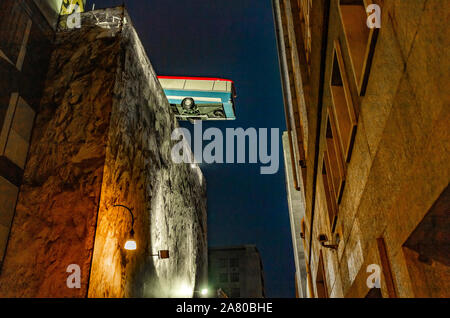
(323, 239)
(162, 254)
(130, 244)
(203, 292)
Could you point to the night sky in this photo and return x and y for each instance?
(232, 39)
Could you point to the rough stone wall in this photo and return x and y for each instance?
(55, 217)
(102, 136)
(168, 200)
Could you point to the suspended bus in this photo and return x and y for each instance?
(200, 98)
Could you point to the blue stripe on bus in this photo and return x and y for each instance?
(224, 96)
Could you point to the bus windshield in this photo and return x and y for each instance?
(200, 98)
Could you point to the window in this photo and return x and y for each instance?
(333, 171)
(342, 104)
(304, 13)
(335, 158)
(223, 277)
(223, 263)
(16, 131)
(331, 203)
(234, 262)
(234, 277)
(14, 31)
(235, 293)
(360, 40)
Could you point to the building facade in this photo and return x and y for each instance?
(367, 112)
(26, 39)
(96, 135)
(237, 271)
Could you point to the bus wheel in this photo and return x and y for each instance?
(219, 114)
(188, 103)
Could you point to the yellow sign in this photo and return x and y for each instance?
(71, 6)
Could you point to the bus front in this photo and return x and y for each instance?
(200, 98)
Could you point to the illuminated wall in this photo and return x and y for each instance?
(102, 137)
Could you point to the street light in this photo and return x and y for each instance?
(130, 244)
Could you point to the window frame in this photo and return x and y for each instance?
(339, 108)
(360, 76)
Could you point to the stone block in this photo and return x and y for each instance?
(428, 64)
(6, 122)
(387, 70)
(406, 17)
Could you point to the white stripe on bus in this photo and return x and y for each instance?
(200, 99)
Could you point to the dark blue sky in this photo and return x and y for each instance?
(232, 39)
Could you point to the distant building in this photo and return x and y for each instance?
(367, 115)
(237, 270)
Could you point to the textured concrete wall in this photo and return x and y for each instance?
(102, 136)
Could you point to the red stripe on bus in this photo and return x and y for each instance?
(196, 78)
